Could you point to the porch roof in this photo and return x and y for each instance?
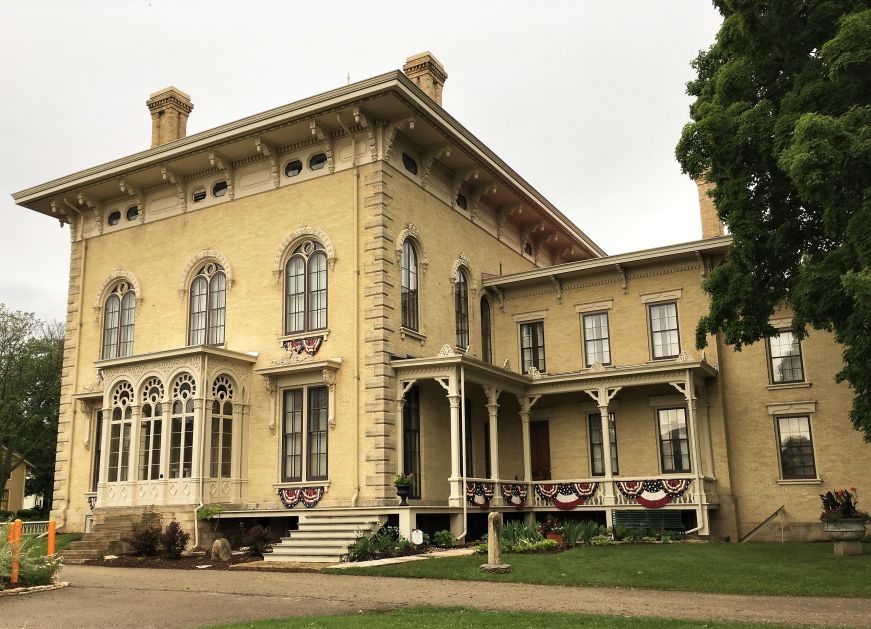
(445, 364)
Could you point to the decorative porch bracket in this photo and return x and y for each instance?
(602, 397)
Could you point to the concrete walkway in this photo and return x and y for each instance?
(129, 597)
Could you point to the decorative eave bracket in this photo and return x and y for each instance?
(429, 159)
(271, 153)
(459, 179)
(135, 194)
(390, 134)
(225, 165)
(361, 119)
(324, 136)
(179, 184)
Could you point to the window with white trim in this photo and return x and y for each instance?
(674, 443)
(221, 436)
(305, 413)
(784, 358)
(664, 335)
(796, 447)
(119, 315)
(305, 289)
(486, 332)
(120, 429)
(208, 306)
(597, 339)
(181, 440)
(408, 286)
(151, 430)
(461, 308)
(597, 444)
(532, 346)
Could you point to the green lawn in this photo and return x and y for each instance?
(61, 541)
(776, 569)
(418, 617)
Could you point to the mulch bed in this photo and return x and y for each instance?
(185, 563)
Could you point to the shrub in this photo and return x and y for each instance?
(29, 514)
(517, 531)
(600, 540)
(6, 515)
(147, 533)
(444, 539)
(258, 539)
(538, 546)
(34, 568)
(387, 542)
(173, 541)
(580, 531)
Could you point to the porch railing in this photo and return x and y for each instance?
(34, 528)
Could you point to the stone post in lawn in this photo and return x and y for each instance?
(494, 545)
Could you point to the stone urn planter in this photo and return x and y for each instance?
(403, 491)
(847, 533)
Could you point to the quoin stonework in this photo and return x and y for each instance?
(282, 314)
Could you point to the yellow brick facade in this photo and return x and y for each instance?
(398, 167)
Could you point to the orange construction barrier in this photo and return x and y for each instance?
(51, 526)
(15, 539)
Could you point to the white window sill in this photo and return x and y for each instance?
(789, 385)
(302, 484)
(304, 335)
(408, 333)
(799, 481)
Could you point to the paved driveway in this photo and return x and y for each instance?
(128, 597)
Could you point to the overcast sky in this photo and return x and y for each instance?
(584, 99)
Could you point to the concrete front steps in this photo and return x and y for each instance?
(110, 535)
(324, 538)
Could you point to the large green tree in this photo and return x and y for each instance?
(781, 127)
(31, 358)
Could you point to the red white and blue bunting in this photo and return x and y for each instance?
(653, 494)
(479, 494)
(308, 496)
(566, 496)
(309, 345)
(92, 502)
(515, 494)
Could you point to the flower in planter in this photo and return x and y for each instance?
(841, 505)
(404, 480)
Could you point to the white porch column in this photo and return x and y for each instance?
(198, 457)
(103, 477)
(492, 394)
(602, 397)
(133, 454)
(688, 389)
(457, 494)
(526, 404)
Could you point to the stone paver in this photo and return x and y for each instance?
(127, 597)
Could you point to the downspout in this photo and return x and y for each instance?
(356, 309)
(202, 451)
(465, 472)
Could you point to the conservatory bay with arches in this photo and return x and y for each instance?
(168, 428)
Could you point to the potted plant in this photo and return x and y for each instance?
(842, 522)
(404, 484)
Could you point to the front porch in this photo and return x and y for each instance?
(534, 444)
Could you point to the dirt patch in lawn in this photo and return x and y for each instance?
(190, 562)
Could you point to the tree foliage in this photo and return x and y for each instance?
(781, 126)
(31, 357)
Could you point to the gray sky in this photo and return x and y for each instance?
(584, 99)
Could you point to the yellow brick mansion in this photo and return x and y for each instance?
(282, 314)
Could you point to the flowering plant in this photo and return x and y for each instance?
(551, 525)
(404, 480)
(841, 504)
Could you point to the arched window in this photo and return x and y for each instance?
(408, 286)
(119, 315)
(221, 442)
(181, 440)
(119, 433)
(151, 430)
(305, 289)
(486, 332)
(461, 308)
(208, 304)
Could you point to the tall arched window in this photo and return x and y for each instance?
(486, 332)
(181, 439)
(221, 442)
(408, 286)
(208, 304)
(461, 308)
(119, 314)
(305, 289)
(119, 433)
(151, 430)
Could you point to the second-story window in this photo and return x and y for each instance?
(408, 286)
(597, 339)
(119, 316)
(532, 345)
(664, 337)
(486, 332)
(208, 306)
(305, 289)
(784, 354)
(461, 308)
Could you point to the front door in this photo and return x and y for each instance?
(539, 437)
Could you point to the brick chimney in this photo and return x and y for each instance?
(427, 73)
(712, 226)
(170, 108)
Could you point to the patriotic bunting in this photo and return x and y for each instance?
(309, 345)
(479, 494)
(308, 496)
(92, 502)
(515, 494)
(566, 496)
(653, 494)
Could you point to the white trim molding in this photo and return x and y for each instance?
(595, 306)
(116, 276)
(523, 317)
(202, 256)
(299, 233)
(665, 295)
(789, 408)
